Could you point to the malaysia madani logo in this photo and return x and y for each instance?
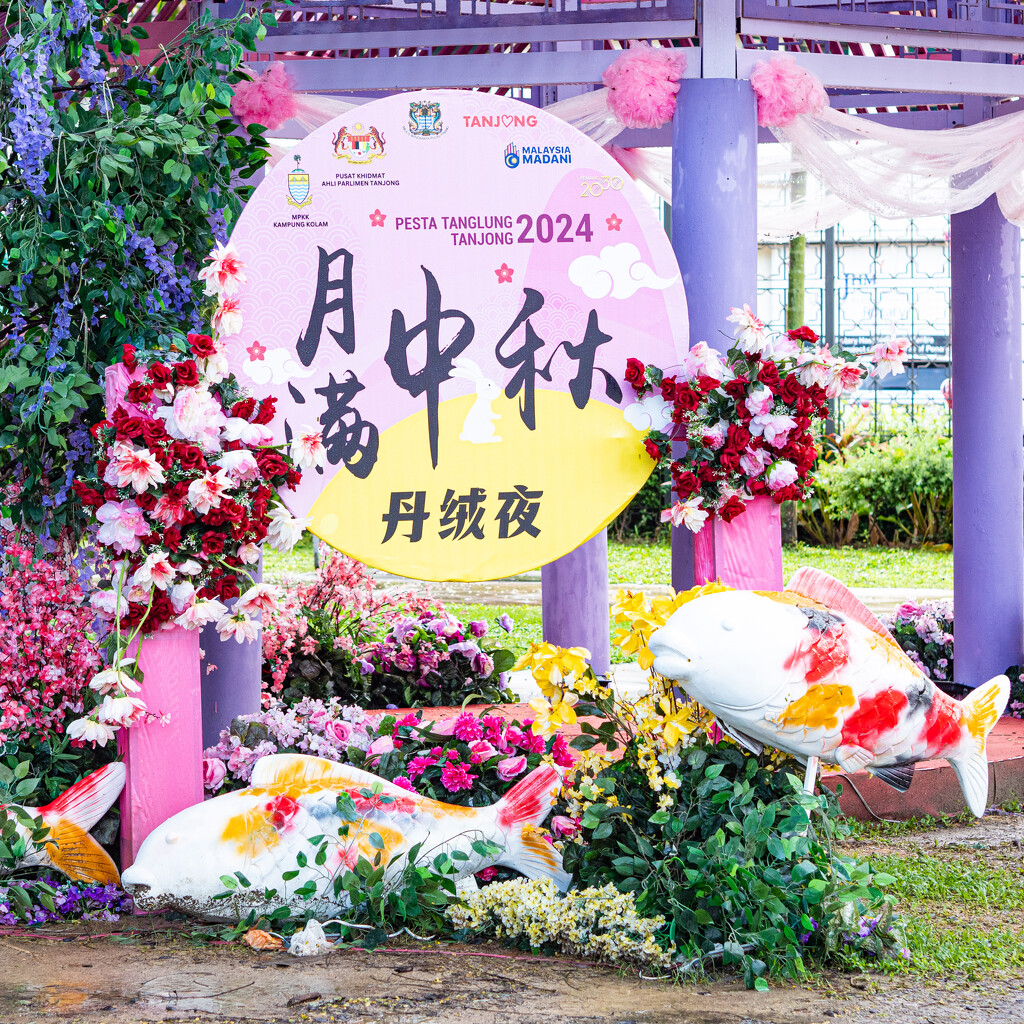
(425, 120)
(358, 145)
(511, 155)
(298, 186)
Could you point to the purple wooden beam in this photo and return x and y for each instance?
(988, 502)
(714, 223)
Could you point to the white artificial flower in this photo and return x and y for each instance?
(285, 531)
(207, 492)
(249, 553)
(190, 567)
(215, 368)
(256, 434)
(156, 571)
(224, 272)
(201, 614)
(307, 449)
(261, 597)
(128, 467)
(686, 513)
(238, 627)
(750, 335)
(181, 595)
(111, 680)
(122, 711)
(227, 320)
(88, 730)
(240, 465)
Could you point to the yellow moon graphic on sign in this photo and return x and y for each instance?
(353, 515)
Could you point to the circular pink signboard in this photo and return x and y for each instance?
(448, 285)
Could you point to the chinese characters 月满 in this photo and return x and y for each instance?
(463, 516)
(352, 439)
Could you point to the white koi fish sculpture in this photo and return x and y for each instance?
(260, 831)
(813, 672)
(68, 847)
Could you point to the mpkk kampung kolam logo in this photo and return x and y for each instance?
(425, 120)
(358, 145)
(298, 186)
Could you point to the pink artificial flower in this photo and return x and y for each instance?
(813, 368)
(782, 474)
(214, 773)
(121, 711)
(750, 335)
(845, 377)
(686, 513)
(240, 465)
(754, 461)
(207, 492)
(486, 875)
(381, 745)
(261, 597)
(703, 361)
(255, 434)
(227, 320)
(182, 595)
(123, 523)
(224, 273)
(249, 553)
(889, 356)
(445, 728)
(775, 429)
(759, 400)
(455, 776)
(307, 449)
(562, 753)
(563, 827)
(509, 767)
(713, 437)
(195, 415)
(128, 467)
(239, 628)
(404, 782)
(481, 751)
(169, 511)
(467, 727)
(338, 731)
(418, 765)
(156, 571)
(201, 613)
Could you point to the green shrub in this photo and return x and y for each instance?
(641, 518)
(897, 491)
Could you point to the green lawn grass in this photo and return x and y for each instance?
(652, 563)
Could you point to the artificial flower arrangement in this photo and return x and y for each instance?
(746, 419)
(466, 758)
(343, 636)
(185, 488)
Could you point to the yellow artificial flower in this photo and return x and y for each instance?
(554, 668)
(676, 726)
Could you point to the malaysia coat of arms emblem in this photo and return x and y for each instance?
(298, 186)
(425, 119)
(358, 145)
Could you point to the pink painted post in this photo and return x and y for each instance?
(746, 553)
(164, 762)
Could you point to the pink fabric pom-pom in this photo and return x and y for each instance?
(642, 85)
(269, 99)
(785, 91)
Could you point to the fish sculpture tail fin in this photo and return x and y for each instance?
(518, 813)
(981, 710)
(88, 799)
(74, 852)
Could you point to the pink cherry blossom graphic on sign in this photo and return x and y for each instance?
(256, 350)
(614, 222)
(377, 218)
(504, 273)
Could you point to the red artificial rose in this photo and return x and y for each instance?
(271, 464)
(215, 517)
(172, 538)
(232, 511)
(186, 375)
(668, 388)
(146, 501)
(686, 398)
(730, 509)
(110, 494)
(736, 388)
(652, 449)
(153, 432)
(189, 456)
(769, 374)
(737, 436)
(294, 479)
(227, 588)
(130, 427)
(213, 543)
(97, 427)
(706, 383)
(635, 373)
(730, 460)
(160, 375)
(128, 356)
(791, 390)
(802, 334)
(706, 473)
(138, 392)
(201, 345)
(266, 412)
(164, 457)
(244, 409)
(757, 486)
(87, 495)
(686, 484)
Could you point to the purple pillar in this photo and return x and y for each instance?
(574, 601)
(988, 507)
(714, 223)
(231, 677)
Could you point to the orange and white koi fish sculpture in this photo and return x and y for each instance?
(68, 847)
(293, 798)
(813, 672)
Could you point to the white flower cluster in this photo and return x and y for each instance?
(600, 923)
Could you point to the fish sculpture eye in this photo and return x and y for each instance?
(172, 837)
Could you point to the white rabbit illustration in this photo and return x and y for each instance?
(478, 427)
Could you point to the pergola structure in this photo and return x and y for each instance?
(913, 63)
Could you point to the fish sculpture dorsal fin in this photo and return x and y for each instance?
(827, 590)
(304, 772)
